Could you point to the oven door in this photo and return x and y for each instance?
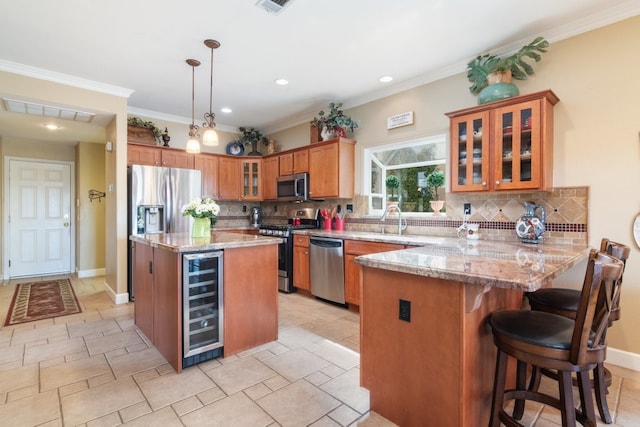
(285, 265)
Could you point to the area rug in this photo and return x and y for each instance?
(42, 300)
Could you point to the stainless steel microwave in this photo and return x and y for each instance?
(293, 187)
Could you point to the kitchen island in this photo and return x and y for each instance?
(250, 303)
(426, 354)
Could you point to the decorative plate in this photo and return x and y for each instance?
(235, 148)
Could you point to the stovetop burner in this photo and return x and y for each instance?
(282, 230)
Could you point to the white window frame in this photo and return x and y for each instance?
(368, 158)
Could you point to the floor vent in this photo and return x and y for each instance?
(273, 6)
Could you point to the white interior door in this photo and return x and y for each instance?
(39, 218)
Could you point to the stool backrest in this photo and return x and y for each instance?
(621, 252)
(592, 318)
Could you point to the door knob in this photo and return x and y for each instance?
(66, 224)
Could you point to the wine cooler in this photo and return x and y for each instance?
(202, 307)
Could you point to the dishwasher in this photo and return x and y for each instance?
(326, 268)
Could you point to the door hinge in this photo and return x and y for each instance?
(9, 263)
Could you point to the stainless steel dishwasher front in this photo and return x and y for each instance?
(326, 264)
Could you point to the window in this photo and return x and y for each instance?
(410, 163)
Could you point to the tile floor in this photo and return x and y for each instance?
(97, 369)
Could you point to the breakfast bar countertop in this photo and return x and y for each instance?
(524, 267)
(183, 242)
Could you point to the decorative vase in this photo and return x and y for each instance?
(327, 133)
(500, 87)
(530, 227)
(201, 227)
(436, 205)
(254, 149)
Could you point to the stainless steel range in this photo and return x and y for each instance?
(297, 219)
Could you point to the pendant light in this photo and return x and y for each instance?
(210, 136)
(193, 146)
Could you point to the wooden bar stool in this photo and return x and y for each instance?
(555, 342)
(565, 303)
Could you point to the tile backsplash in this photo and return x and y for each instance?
(496, 213)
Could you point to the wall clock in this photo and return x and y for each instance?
(235, 148)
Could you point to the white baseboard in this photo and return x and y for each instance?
(116, 298)
(91, 273)
(624, 359)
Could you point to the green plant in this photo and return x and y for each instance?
(392, 182)
(435, 180)
(252, 136)
(202, 208)
(334, 119)
(137, 121)
(479, 68)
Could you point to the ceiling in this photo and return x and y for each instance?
(329, 50)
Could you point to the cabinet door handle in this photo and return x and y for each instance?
(150, 267)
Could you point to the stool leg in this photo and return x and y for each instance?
(536, 376)
(567, 411)
(521, 384)
(497, 401)
(600, 388)
(586, 399)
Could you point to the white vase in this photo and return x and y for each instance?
(327, 134)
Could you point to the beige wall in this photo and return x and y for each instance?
(596, 137)
(90, 215)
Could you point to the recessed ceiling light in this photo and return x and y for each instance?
(226, 110)
(386, 79)
(282, 82)
(52, 126)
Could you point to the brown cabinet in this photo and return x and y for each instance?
(158, 299)
(331, 165)
(251, 179)
(353, 271)
(207, 164)
(503, 145)
(294, 162)
(158, 156)
(269, 177)
(228, 178)
(301, 262)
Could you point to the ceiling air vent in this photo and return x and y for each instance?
(273, 6)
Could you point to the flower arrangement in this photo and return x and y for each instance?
(252, 136)
(202, 208)
(137, 121)
(334, 120)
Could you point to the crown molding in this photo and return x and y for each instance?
(65, 79)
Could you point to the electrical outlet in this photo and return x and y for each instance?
(404, 310)
(467, 209)
(349, 208)
(244, 208)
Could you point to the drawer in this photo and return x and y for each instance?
(357, 247)
(299, 240)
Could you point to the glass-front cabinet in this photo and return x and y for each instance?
(503, 145)
(251, 179)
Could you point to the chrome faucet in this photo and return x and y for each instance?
(386, 212)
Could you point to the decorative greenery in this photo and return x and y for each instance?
(479, 68)
(252, 136)
(392, 182)
(202, 208)
(137, 121)
(335, 119)
(435, 180)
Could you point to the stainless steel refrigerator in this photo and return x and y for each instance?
(156, 196)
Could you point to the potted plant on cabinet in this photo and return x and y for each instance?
(142, 131)
(253, 136)
(491, 75)
(335, 123)
(392, 182)
(435, 180)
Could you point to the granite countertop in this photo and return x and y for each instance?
(398, 239)
(183, 242)
(519, 266)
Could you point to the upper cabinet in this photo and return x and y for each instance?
(294, 162)
(157, 156)
(503, 145)
(228, 178)
(331, 165)
(270, 171)
(207, 164)
(251, 178)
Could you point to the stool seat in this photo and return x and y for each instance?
(534, 327)
(558, 298)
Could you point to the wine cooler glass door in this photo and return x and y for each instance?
(202, 302)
